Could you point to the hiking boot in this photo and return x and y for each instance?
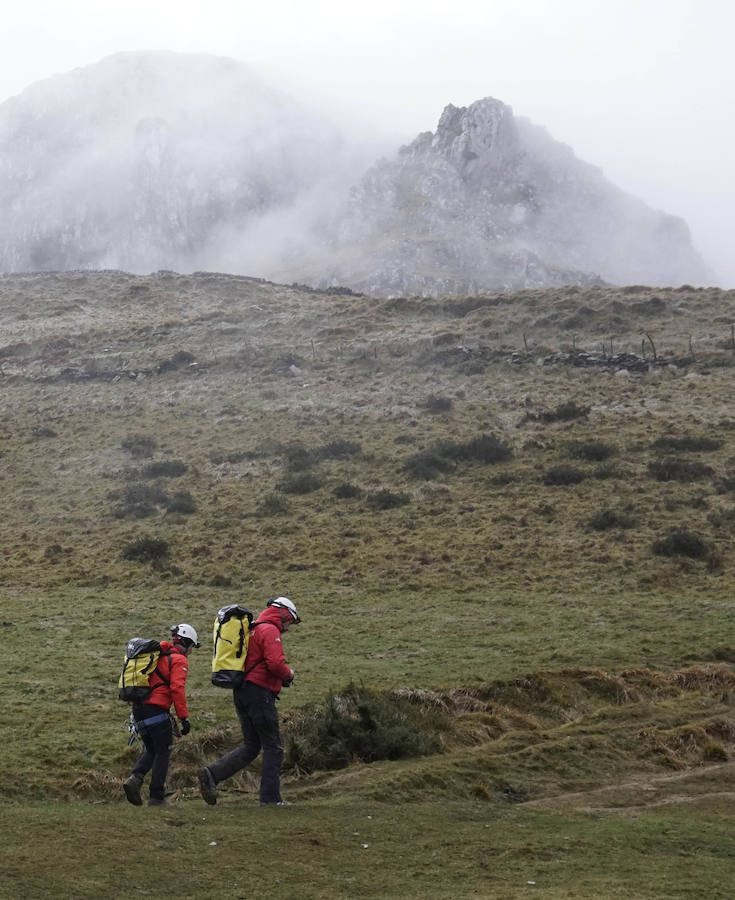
(132, 786)
(158, 801)
(207, 786)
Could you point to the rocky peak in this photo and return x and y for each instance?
(150, 161)
(478, 136)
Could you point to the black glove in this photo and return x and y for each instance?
(185, 727)
(287, 682)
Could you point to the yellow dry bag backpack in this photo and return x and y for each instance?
(230, 639)
(141, 658)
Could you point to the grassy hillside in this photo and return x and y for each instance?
(508, 518)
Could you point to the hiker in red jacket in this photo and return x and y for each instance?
(266, 672)
(152, 719)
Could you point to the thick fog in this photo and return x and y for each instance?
(644, 91)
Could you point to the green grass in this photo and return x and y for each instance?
(483, 590)
(336, 850)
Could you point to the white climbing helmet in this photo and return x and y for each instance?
(186, 631)
(285, 603)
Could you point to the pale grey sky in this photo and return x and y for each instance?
(642, 88)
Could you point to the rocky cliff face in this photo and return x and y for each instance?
(489, 201)
(152, 161)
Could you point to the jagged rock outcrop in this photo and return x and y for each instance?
(490, 201)
(151, 161)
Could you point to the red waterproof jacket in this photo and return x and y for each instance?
(168, 682)
(265, 662)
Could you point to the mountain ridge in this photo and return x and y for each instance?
(149, 161)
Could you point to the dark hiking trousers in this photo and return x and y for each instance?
(157, 740)
(256, 709)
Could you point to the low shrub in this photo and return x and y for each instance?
(486, 448)
(177, 361)
(356, 724)
(592, 451)
(385, 499)
(504, 478)
(304, 483)
(139, 446)
(181, 502)
(171, 468)
(565, 412)
(273, 505)
(680, 542)
(690, 443)
(428, 464)
(674, 468)
(442, 456)
(338, 450)
(139, 500)
(297, 457)
(609, 518)
(437, 404)
(146, 549)
(347, 491)
(563, 475)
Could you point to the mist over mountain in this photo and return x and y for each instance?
(155, 160)
(491, 201)
(149, 161)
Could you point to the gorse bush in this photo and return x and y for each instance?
(298, 457)
(565, 412)
(172, 468)
(181, 502)
(680, 542)
(609, 518)
(428, 464)
(442, 456)
(347, 491)
(690, 443)
(146, 549)
(303, 483)
(337, 450)
(674, 468)
(437, 404)
(273, 505)
(139, 446)
(139, 500)
(592, 451)
(485, 448)
(563, 475)
(385, 499)
(357, 724)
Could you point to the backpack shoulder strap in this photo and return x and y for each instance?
(253, 626)
(164, 654)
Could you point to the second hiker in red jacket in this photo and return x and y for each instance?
(152, 720)
(266, 672)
